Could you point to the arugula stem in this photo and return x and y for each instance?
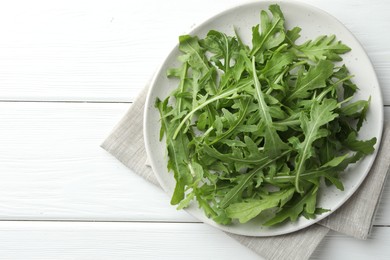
(301, 162)
(288, 122)
(289, 177)
(331, 87)
(244, 181)
(260, 98)
(181, 86)
(320, 114)
(231, 129)
(299, 63)
(280, 77)
(215, 98)
(211, 128)
(290, 41)
(343, 79)
(254, 51)
(227, 58)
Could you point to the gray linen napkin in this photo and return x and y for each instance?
(354, 218)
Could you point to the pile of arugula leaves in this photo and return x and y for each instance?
(255, 130)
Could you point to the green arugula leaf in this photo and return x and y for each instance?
(293, 35)
(273, 143)
(245, 180)
(320, 115)
(272, 31)
(324, 47)
(234, 123)
(225, 94)
(277, 64)
(178, 158)
(245, 211)
(365, 147)
(296, 206)
(195, 54)
(223, 47)
(315, 78)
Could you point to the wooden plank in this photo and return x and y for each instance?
(338, 247)
(62, 240)
(51, 167)
(91, 240)
(96, 51)
(107, 51)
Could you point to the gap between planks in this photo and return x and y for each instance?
(120, 221)
(66, 101)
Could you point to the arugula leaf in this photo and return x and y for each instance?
(245, 211)
(178, 157)
(225, 94)
(223, 47)
(297, 206)
(273, 143)
(235, 123)
(324, 47)
(242, 184)
(195, 54)
(348, 87)
(320, 115)
(276, 64)
(272, 31)
(315, 78)
(293, 35)
(365, 147)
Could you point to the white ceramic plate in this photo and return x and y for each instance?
(314, 22)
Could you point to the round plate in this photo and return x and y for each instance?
(314, 22)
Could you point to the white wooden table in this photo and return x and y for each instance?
(69, 70)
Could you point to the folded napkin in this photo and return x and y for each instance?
(354, 218)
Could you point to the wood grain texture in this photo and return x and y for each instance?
(72, 240)
(52, 167)
(43, 240)
(107, 50)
